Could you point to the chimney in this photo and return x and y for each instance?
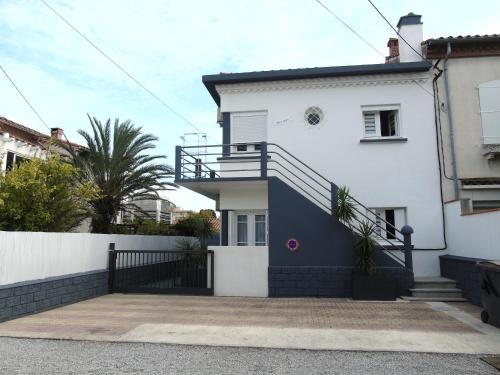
(57, 133)
(393, 50)
(410, 29)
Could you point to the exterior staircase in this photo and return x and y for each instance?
(435, 289)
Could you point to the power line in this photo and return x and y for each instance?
(368, 43)
(161, 101)
(349, 27)
(396, 31)
(24, 97)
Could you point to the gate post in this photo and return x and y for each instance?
(111, 267)
(212, 276)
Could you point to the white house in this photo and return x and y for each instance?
(291, 137)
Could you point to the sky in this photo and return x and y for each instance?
(168, 45)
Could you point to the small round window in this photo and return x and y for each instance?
(313, 116)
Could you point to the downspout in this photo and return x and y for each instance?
(450, 123)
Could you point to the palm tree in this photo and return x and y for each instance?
(117, 163)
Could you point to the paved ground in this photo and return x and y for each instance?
(26, 356)
(307, 323)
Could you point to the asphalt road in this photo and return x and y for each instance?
(29, 356)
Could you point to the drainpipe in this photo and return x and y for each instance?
(450, 123)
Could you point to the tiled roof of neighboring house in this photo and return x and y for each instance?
(7, 122)
(29, 135)
(215, 224)
(210, 81)
(463, 46)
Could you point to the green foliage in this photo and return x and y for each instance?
(346, 207)
(365, 247)
(199, 225)
(187, 244)
(44, 196)
(117, 162)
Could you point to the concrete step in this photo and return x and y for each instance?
(434, 282)
(436, 293)
(430, 299)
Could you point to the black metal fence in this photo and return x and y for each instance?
(161, 272)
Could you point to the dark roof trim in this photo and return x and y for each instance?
(410, 19)
(210, 81)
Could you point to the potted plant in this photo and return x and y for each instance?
(367, 282)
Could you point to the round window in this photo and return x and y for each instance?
(313, 116)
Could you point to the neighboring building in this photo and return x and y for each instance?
(468, 92)
(290, 137)
(158, 210)
(19, 143)
(178, 213)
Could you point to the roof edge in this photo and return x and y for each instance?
(211, 80)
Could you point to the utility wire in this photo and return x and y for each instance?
(24, 97)
(161, 101)
(368, 43)
(349, 27)
(396, 31)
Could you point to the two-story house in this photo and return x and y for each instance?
(291, 137)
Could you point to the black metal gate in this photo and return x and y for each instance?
(161, 272)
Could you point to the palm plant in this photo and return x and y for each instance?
(365, 248)
(346, 207)
(117, 162)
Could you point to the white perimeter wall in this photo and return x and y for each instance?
(241, 271)
(400, 174)
(474, 236)
(28, 256)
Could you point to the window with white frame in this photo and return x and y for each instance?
(387, 220)
(249, 228)
(248, 130)
(381, 121)
(489, 100)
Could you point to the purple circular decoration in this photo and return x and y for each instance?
(292, 244)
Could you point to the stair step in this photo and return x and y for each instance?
(437, 293)
(434, 282)
(433, 299)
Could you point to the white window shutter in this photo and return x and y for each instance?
(370, 123)
(489, 98)
(247, 128)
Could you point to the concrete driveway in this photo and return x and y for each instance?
(298, 323)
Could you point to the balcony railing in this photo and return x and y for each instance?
(263, 160)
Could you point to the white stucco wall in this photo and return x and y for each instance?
(28, 256)
(241, 271)
(241, 198)
(475, 235)
(23, 149)
(401, 174)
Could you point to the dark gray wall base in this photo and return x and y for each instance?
(324, 281)
(39, 295)
(464, 271)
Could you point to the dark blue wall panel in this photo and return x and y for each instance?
(323, 241)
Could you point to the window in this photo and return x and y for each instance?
(257, 146)
(242, 230)
(313, 116)
(13, 159)
(249, 228)
(248, 128)
(387, 221)
(260, 230)
(382, 122)
(489, 99)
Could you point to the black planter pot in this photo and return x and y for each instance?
(376, 287)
